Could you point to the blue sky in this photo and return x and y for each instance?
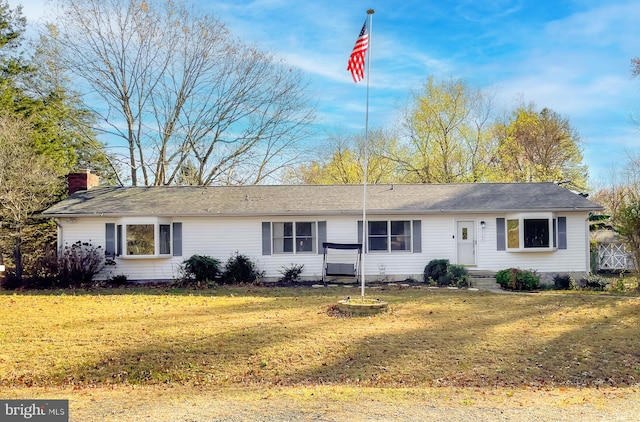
(570, 56)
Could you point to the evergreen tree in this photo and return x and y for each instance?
(43, 136)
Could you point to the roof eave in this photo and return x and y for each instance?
(324, 212)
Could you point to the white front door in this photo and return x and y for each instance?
(466, 243)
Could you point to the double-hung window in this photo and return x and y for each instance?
(165, 239)
(385, 236)
(294, 237)
(378, 236)
(400, 235)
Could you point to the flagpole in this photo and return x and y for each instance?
(370, 12)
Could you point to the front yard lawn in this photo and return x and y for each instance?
(255, 341)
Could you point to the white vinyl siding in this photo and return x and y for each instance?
(222, 237)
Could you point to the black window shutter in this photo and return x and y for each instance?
(177, 239)
(322, 235)
(417, 236)
(266, 238)
(562, 232)
(110, 240)
(500, 234)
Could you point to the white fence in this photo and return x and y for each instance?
(614, 256)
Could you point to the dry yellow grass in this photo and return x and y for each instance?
(282, 343)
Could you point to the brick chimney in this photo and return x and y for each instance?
(81, 180)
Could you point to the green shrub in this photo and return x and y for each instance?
(517, 279)
(562, 281)
(291, 274)
(240, 269)
(459, 275)
(528, 280)
(436, 272)
(506, 278)
(201, 268)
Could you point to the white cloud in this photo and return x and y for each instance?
(578, 64)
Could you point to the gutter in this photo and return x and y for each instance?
(317, 213)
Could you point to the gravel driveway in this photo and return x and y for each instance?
(522, 407)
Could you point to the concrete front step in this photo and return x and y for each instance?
(482, 273)
(484, 280)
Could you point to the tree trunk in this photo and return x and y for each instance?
(17, 256)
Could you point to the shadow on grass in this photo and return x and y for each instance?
(427, 339)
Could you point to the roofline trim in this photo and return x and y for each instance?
(327, 213)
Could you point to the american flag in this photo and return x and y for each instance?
(356, 61)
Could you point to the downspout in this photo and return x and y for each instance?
(59, 234)
(588, 231)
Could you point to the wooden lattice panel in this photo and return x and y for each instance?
(614, 256)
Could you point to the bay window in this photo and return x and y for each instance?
(532, 232)
(143, 237)
(537, 232)
(140, 239)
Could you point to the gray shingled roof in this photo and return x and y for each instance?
(320, 200)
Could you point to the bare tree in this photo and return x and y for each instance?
(341, 160)
(180, 90)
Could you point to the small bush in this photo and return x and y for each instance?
(118, 280)
(38, 282)
(190, 283)
(618, 286)
(528, 280)
(200, 269)
(562, 281)
(291, 274)
(459, 275)
(240, 269)
(506, 278)
(79, 263)
(517, 279)
(44, 274)
(436, 272)
(11, 281)
(593, 282)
